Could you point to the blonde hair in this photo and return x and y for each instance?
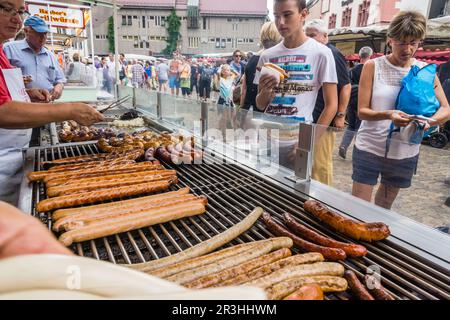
(225, 66)
(408, 24)
(270, 35)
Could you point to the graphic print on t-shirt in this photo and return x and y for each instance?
(299, 82)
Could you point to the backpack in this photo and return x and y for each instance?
(206, 74)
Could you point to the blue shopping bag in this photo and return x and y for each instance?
(417, 96)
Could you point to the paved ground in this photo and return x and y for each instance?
(425, 200)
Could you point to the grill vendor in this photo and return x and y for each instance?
(17, 111)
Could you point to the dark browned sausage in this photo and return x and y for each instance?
(356, 286)
(352, 250)
(374, 231)
(378, 291)
(329, 253)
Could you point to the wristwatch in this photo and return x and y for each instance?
(340, 115)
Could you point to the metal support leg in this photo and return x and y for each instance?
(204, 122)
(303, 156)
(134, 98)
(159, 105)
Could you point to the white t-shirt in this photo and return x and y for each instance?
(309, 67)
(372, 135)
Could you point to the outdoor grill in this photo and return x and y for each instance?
(233, 192)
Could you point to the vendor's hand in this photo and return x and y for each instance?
(39, 95)
(21, 234)
(400, 119)
(85, 115)
(339, 122)
(57, 91)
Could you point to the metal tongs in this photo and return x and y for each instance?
(116, 103)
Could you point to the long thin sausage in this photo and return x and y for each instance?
(265, 270)
(259, 250)
(357, 288)
(304, 270)
(107, 229)
(326, 283)
(103, 195)
(211, 258)
(210, 280)
(352, 250)
(106, 207)
(205, 246)
(84, 219)
(101, 185)
(109, 177)
(329, 253)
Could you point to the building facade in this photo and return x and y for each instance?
(207, 26)
(364, 13)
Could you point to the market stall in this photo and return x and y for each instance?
(74, 20)
(223, 199)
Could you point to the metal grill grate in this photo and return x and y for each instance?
(232, 194)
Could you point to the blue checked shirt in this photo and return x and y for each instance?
(43, 67)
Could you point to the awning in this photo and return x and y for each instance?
(438, 29)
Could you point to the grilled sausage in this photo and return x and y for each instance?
(116, 212)
(40, 175)
(272, 267)
(376, 289)
(119, 205)
(304, 270)
(329, 253)
(326, 283)
(119, 226)
(208, 259)
(375, 231)
(101, 185)
(307, 292)
(103, 195)
(210, 280)
(110, 177)
(351, 250)
(356, 287)
(257, 251)
(205, 246)
(78, 174)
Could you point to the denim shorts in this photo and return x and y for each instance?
(368, 167)
(174, 83)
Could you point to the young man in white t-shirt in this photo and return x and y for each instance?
(310, 66)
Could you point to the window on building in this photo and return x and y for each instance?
(193, 42)
(229, 40)
(363, 13)
(147, 44)
(97, 36)
(141, 45)
(229, 20)
(124, 20)
(205, 23)
(347, 17)
(212, 40)
(332, 21)
(130, 21)
(143, 22)
(135, 17)
(124, 37)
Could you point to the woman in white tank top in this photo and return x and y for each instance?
(378, 90)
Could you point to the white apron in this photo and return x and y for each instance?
(12, 142)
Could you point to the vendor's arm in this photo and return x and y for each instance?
(21, 115)
(21, 234)
(443, 114)
(365, 110)
(330, 98)
(39, 95)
